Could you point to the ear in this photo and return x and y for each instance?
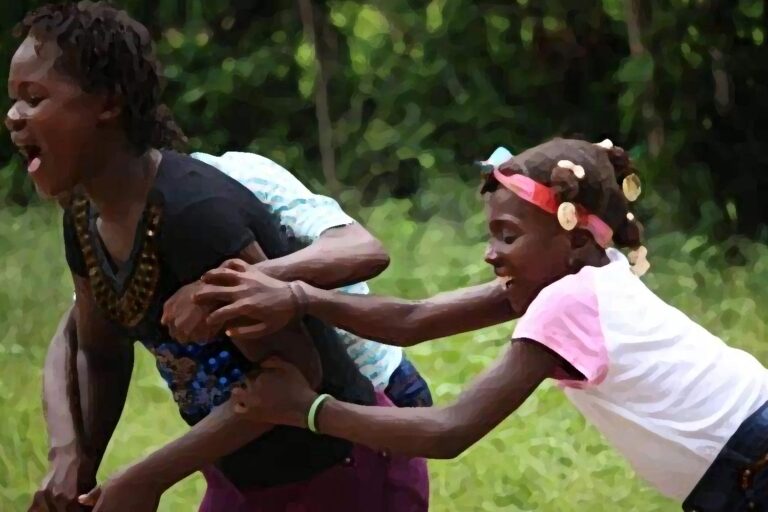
(580, 238)
(111, 108)
(584, 249)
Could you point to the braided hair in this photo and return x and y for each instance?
(599, 191)
(106, 50)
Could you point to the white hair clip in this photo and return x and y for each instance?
(606, 144)
(638, 259)
(578, 170)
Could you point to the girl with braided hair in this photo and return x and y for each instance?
(687, 411)
(142, 222)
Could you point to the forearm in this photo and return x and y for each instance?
(103, 384)
(404, 322)
(219, 434)
(444, 432)
(420, 432)
(340, 257)
(61, 402)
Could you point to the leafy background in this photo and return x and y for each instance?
(385, 105)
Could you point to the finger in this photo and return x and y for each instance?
(246, 332)
(236, 264)
(239, 395)
(215, 293)
(275, 363)
(222, 277)
(241, 400)
(225, 314)
(91, 498)
(166, 313)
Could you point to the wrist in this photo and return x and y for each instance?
(151, 473)
(299, 414)
(300, 298)
(271, 268)
(313, 413)
(69, 460)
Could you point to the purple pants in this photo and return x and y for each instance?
(367, 481)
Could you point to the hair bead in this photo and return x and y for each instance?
(631, 187)
(566, 215)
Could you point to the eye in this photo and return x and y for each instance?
(509, 239)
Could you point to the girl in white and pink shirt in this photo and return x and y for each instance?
(686, 410)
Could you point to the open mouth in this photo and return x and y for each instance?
(31, 154)
(506, 281)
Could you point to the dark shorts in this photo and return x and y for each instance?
(738, 478)
(407, 388)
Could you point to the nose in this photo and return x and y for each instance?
(491, 256)
(13, 119)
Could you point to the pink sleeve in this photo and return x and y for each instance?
(565, 318)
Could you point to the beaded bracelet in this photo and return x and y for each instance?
(313, 410)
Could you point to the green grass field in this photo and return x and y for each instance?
(545, 458)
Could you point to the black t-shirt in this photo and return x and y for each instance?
(196, 218)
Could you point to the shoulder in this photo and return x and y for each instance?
(184, 183)
(565, 318)
(567, 295)
(250, 169)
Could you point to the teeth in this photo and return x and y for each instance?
(505, 280)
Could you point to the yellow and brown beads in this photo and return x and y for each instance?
(129, 308)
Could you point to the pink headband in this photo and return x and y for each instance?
(545, 198)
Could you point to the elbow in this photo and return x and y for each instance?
(376, 256)
(373, 255)
(450, 447)
(448, 453)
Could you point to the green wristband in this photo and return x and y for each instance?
(313, 412)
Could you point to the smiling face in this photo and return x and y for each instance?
(52, 121)
(527, 246)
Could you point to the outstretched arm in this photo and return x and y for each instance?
(408, 322)
(252, 304)
(279, 394)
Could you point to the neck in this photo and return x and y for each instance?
(120, 180)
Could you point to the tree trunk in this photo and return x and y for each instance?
(322, 111)
(652, 120)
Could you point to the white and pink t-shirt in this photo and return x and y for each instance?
(663, 390)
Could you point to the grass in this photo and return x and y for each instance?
(544, 458)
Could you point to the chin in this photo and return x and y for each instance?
(520, 297)
(50, 192)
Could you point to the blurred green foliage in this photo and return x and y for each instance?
(416, 92)
(419, 90)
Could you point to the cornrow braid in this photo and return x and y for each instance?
(106, 50)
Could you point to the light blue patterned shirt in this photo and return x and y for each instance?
(308, 215)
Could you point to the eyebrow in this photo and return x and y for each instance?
(507, 219)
